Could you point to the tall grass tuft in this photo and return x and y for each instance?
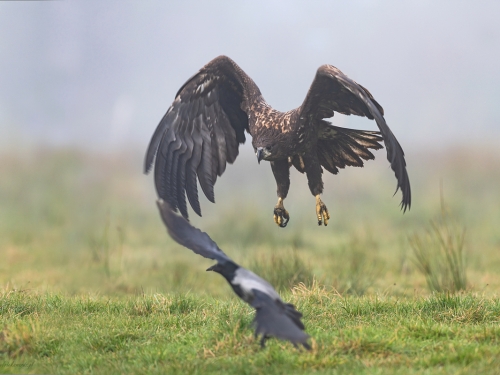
(105, 249)
(99, 247)
(439, 253)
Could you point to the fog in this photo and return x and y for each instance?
(101, 74)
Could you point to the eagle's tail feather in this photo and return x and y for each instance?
(340, 147)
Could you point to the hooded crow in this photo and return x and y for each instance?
(274, 318)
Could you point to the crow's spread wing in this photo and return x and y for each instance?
(187, 235)
(332, 91)
(200, 133)
(274, 318)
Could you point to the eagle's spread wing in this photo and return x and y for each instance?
(332, 91)
(187, 235)
(199, 134)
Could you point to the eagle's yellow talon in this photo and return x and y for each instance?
(321, 212)
(277, 219)
(281, 216)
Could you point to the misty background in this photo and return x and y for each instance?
(100, 75)
(83, 85)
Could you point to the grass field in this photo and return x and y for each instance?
(91, 283)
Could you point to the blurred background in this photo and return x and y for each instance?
(83, 85)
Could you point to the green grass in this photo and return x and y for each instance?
(172, 333)
(91, 283)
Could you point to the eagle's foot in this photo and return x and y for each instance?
(281, 216)
(321, 212)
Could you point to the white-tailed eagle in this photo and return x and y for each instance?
(207, 121)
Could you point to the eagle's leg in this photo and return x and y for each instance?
(281, 171)
(321, 211)
(314, 171)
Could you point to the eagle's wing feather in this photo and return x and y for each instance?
(332, 91)
(199, 134)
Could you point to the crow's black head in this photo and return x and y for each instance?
(226, 269)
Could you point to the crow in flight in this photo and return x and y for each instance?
(273, 316)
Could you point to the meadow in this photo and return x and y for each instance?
(91, 283)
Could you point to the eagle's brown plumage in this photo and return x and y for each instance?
(207, 121)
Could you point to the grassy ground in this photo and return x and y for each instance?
(91, 282)
(199, 334)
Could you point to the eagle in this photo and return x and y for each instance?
(203, 128)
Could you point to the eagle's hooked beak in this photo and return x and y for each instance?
(260, 154)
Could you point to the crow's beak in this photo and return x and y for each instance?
(212, 267)
(260, 154)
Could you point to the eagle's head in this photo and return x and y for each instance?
(263, 153)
